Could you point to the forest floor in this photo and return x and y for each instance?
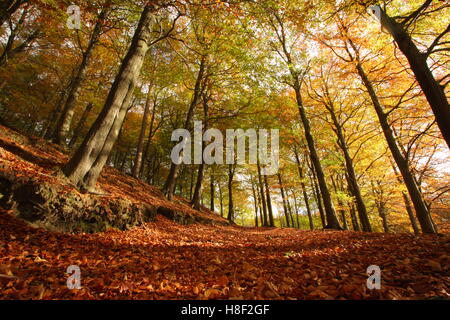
(165, 260)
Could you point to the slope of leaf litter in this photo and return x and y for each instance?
(164, 260)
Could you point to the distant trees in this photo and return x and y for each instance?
(68, 108)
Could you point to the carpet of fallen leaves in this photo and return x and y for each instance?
(163, 260)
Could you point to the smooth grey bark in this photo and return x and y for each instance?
(305, 194)
(255, 202)
(198, 192)
(81, 124)
(85, 166)
(283, 196)
(317, 195)
(140, 147)
(231, 172)
(265, 219)
(269, 203)
(221, 201)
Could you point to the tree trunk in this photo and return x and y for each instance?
(173, 173)
(422, 212)
(269, 204)
(199, 185)
(231, 172)
(305, 194)
(296, 212)
(332, 220)
(140, 147)
(382, 213)
(351, 174)
(286, 212)
(255, 204)
(263, 199)
(85, 166)
(65, 121)
(354, 218)
(407, 202)
(317, 196)
(212, 192)
(221, 201)
(81, 124)
(291, 214)
(433, 91)
(341, 205)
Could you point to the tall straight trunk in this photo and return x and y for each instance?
(85, 166)
(212, 191)
(352, 179)
(54, 116)
(201, 169)
(140, 147)
(263, 200)
(269, 203)
(124, 160)
(317, 196)
(423, 215)
(407, 202)
(191, 182)
(418, 61)
(296, 211)
(221, 201)
(81, 124)
(277, 24)
(255, 200)
(198, 190)
(283, 196)
(65, 121)
(340, 203)
(291, 214)
(231, 172)
(305, 194)
(332, 220)
(354, 218)
(150, 138)
(382, 212)
(173, 173)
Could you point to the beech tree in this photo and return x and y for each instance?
(85, 166)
